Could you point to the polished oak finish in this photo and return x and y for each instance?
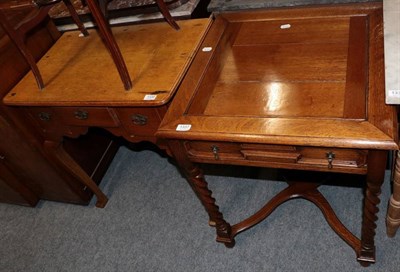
(18, 33)
(157, 56)
(299, 88)
(26, 175)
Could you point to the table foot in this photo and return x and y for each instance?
(56, 154)
(196, 179)
(101, 201)
(366, 257)
(230, 244)
(375, 176)
(364, 264)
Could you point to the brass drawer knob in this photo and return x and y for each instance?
(215, 150)
(81, 115)
(330, 156)
(139, 119)
(44, 116)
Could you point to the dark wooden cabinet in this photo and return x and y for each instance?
(25, 174)
(12, 189)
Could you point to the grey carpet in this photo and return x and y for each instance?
(153, 222)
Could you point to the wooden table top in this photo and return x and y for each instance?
(304, 76)
(78, 71)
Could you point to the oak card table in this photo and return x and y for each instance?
(83, 90)
(295, 88)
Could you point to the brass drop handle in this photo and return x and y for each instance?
(81, 115)
(215, 150)
(139, 119)
(44, 116)
(330, 156)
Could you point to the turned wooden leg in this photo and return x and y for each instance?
(110, 43)
(375, 176)
(393, 215)
(56, 154)
(196, 180)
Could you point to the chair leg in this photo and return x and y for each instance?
(75, 17)
(110, 43)
(103, 4)
(19, 42)
(32, 63)
(167, 15)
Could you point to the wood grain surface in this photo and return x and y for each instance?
(311, 76)
(79, 70)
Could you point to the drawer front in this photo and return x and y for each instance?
(275, 155)
(141, 121)
(49, 117)
(44, 117)
(335, 157)
(87, 116)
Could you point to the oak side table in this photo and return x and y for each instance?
(297, 88)
(83, 90)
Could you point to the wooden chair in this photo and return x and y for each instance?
(167, 15)
(161, 5)
(19, 32)
(39, 12)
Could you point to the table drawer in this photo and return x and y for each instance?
(87, 116)
(141, 121)
(47, 117)
(273, 155)
(44, 117)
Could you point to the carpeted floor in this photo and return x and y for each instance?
(153, 222)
